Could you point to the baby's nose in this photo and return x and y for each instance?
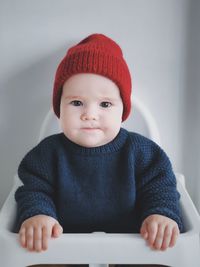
(89, 114)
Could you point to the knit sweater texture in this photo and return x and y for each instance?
(110, 188)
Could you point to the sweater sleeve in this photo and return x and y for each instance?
(36, 195)
(156, 183)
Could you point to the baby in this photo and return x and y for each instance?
(95, 175)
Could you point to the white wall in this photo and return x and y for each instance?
(35, 36)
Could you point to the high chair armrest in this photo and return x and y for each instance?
(189, 212)
(8, 210)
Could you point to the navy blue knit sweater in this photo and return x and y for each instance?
(111, 188)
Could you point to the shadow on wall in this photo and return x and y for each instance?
(191, 115)
(26, 98)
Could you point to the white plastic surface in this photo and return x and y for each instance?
(101, 248)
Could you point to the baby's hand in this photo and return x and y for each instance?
(160, 232)
(37, 230)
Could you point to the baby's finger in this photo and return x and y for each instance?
(37, 239)
(22, 237)
(46, 234)
(167, 238)
(175, 233)
(159, 237)
(29, 238)
(57, 230)
(152, 229)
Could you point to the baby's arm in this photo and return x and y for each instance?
(157, 194)
(159, 231)
(36, 200)
(36, 231)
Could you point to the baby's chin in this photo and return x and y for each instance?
(91, 139)
(90, 142)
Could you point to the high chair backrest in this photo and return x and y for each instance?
(140, 120)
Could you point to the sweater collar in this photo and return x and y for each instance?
(110, 147)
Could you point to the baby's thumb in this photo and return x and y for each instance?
(57, 230)
(143, 230)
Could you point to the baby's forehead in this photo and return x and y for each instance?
(84, 94)
(86, 85)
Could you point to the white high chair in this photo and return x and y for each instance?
(100, 249)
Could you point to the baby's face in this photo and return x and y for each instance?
(90, 110)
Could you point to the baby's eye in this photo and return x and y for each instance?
(76, 103)
(105, 104)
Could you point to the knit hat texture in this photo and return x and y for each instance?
(96, 54)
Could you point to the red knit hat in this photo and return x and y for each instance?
(96, 54)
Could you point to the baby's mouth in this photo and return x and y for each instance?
(90, 128)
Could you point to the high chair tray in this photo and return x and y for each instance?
(102, 248)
